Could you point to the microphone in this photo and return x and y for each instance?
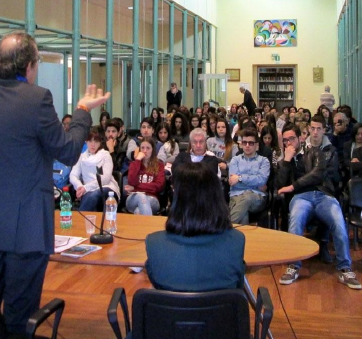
(101, 238)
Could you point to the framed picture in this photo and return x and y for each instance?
(318, 74)
(275, 33)
(234, 74)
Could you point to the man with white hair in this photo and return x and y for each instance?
(327, 98)
(249, 102)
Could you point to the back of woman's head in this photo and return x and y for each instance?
(198, 205)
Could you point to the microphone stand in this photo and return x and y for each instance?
(101, 238)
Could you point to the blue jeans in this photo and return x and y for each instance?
(326, 208)
(140, 203)
(92, 201)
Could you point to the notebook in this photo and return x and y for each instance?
(80, 251)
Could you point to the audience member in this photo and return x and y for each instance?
(101, 128)
(156, 116)
(222, 145)
(146, 179)
(117, 144)
(302, 172)
(194, 122)
(327, 115)
(205, 125)
(199, 250)
(350, 146)
(340, 135)
(179, 128)
(197, 152)
(146, 131)
(269, 138)
(169, 149)
(83, 175)
(67, 119)
(248, 173)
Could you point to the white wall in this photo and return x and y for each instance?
(317, 44)
(340, 5)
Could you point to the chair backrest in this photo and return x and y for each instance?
(212, 315)
(355, 192)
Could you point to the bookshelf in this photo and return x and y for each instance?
(276, 86)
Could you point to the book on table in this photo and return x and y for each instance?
(80, 251)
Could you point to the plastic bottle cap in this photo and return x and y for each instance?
(111, 194)
(66, 189)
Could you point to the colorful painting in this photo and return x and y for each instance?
(275, 33)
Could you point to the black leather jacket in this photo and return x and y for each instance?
(314, 172)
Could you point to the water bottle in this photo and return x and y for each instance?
(65, 209)
(111, 213)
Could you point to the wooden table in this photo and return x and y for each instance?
(262, 246)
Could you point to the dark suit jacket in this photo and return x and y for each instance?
(31, 136)
(249, 102)
(199, 263)
(173, 99)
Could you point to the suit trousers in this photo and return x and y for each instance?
(21, 283)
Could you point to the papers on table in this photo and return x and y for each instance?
(62, 242)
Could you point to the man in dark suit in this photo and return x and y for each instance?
(31, 137)
(249, 102)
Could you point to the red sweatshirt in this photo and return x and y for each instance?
(142, 181)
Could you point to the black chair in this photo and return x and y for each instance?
(219, 314)
(55, 306)
(355, 207)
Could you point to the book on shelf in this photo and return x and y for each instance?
(80, 251)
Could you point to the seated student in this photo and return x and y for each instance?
(117, 144)
(248, 174)
(146, 179)
(199, 250)
(303, 173)
(101, 128)
(179, 128)
(156, 116)
(169, 149)
(146, 131)
(83, 175)
(194, 122)
(222, 145)
(352, 145)
(67, 119)
(197, 152)
(356, 163)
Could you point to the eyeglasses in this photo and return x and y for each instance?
(290, 139)
(250, 143)
(39, 59)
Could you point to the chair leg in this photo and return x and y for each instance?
(355, 231)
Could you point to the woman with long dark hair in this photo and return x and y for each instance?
(169, 149)
(199, 250)
(146, 179)
(222, 145)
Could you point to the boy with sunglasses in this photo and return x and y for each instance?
(248, 173)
